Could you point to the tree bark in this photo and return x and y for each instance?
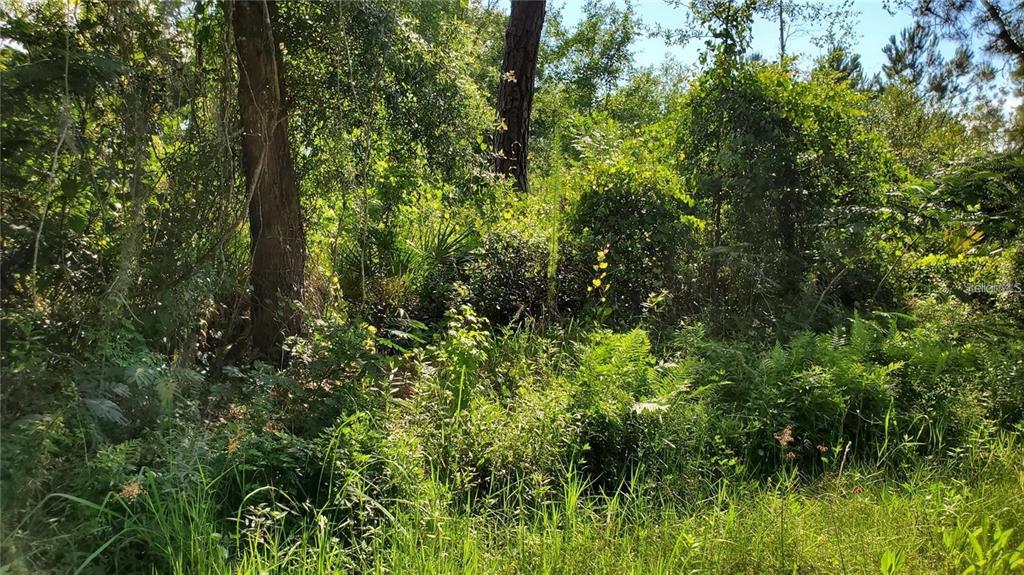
(515, 91)
(278, 240)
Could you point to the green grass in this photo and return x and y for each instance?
(863, 521)
(839, 526)
(964, 517)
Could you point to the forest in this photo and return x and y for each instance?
(478, 286)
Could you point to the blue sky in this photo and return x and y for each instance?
(872, 29)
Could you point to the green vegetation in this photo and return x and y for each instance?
(280, 295)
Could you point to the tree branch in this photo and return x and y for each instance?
(1010, 44)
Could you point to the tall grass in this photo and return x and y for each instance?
(839, 526)
(935, 520)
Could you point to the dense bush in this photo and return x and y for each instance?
(802, 401)
(491, 420)
(785, 177)
(615, 372)
(507, 277)
(637, 220)
(641, 416)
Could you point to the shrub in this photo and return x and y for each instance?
(796, 403)
(443, 251)
(465, 427)
(786, 177)
(338, 473)
(958, 370)
(615, 371)
(507, 277)
(672, 436)
(637, 217)
(527, 442)
(378, 272)
(640, 416)
(1014, 300)
(391, 271)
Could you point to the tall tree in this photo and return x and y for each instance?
(827, 23)
(912, 55)
(515, 92)
(278, 240)
(592, 59)
(845, 65)
(999, 24)
(914, 58)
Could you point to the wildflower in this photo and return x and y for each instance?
(131, 491)
(822, 449)
(790, 455)
(597, 282)
(785, 437)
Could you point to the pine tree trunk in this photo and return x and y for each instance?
(278, 240)
(515, 91)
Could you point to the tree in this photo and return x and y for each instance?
(782, 172)
(834, 20)
(1000, 23)
(829, 24)
(278, 240)
(592, 59)
(911, 55)
(515, 92)
(845, 65)
(914, 58)
(996, 25)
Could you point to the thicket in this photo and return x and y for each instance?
(741, 278)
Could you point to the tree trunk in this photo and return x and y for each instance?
(515, 91)
(782, 31)
(278, 240)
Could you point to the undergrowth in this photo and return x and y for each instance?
(541, 449)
